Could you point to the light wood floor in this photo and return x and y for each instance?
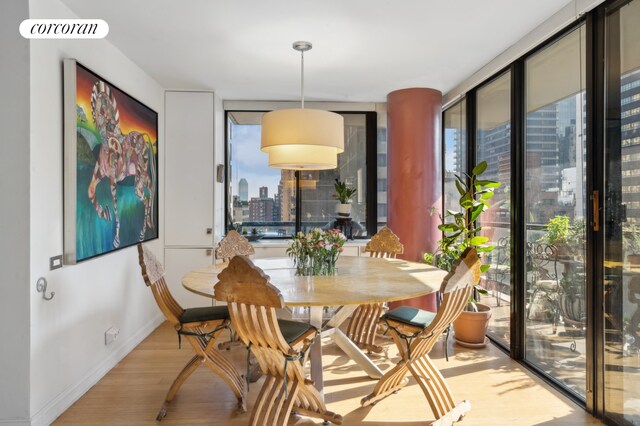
(500, 390)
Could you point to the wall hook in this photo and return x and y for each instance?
(41, 287)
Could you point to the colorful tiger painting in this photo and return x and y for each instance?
(120, 156)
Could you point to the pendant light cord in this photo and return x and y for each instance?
(302, 76)
(302, 46)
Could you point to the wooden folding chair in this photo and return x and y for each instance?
(233, 244)
(364, 320)
(199, 326)
(415, 331)
(279, 346)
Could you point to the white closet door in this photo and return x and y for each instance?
(177, 263)
(189, 169)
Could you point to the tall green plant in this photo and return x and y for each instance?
(460, 228)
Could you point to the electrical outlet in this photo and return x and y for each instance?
(111, 335)
(55, 262)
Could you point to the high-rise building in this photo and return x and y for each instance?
(494, 146)
(276, 208)
(287, 196)
(240, 210)
(243, 189)
(542, 139)
(261, 209)
(382, 173)
(318, 187)
(630, 136)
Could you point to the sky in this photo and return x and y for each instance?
(449, 154)
(134, 116)
(251, 163)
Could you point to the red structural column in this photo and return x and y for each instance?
(414, 167)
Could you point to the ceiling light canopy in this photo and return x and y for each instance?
(302, 139)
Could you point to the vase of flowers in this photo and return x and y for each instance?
(316, 252)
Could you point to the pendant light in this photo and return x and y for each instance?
(302, 139)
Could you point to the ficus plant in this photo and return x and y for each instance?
(460, 228)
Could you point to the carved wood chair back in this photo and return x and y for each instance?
(456, 289)
(364, 320)
(153, 276)
(384, 244)
(233, 244)
(252, 302)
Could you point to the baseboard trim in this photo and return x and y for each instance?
(15, 422)
(65, 399)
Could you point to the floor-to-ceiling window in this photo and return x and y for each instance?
(455, 152)
(574, 226)
(381, 163)
(274, 203)
(555, 204)
(261, 200)
(493, 145)
(317, 187)
(621, 278)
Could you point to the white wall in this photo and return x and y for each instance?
(219, 218)
(68, 354)
(14, 215)
(565, 16)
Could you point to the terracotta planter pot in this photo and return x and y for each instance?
(633, 260)
(573, 308)
(470, 327)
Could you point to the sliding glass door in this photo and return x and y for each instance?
(493, 145)
(455, 152)
(555, 203)
(564, 278)
(621, 269)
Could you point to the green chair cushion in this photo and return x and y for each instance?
(293, 330)
(411, 316)
(207, 313)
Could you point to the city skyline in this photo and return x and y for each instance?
(249, 162)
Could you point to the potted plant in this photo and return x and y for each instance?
(557, 231)
(572, 302)
(568, 238)
(343, 195)
(557, 235)
(460, 231)
(632, 246)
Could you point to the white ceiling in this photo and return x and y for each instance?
(362, 49)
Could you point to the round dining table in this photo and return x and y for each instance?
(358, 280)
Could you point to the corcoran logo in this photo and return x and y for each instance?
(64, 28)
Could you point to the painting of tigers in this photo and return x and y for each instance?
(116, 176)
